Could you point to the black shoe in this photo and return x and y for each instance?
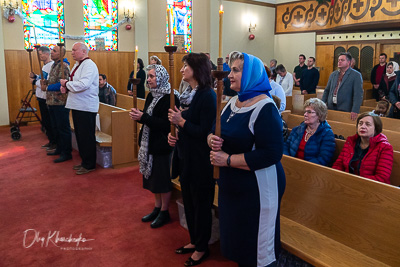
(183, 250)
(192, 262)
(152, 216)
(51, 147)
(62, 159)
(54, 153)
(46, 145)
(162, 218)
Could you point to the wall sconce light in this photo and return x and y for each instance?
(129, 9)
(252, 28)
(9, 9)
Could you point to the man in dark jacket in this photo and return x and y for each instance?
(107, 93)
(377, 73)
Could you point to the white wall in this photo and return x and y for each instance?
(288, 47)
(237, 18)
(141, 30)
(4, 120)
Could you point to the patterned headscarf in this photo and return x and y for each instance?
(163, 88)
(254, 79)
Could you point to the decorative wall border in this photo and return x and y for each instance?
(313, 16)
(363, 36)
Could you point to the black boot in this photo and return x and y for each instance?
(162, 218)
(152, 215)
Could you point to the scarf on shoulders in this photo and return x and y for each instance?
(163, 88)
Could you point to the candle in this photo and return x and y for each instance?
(135, 64)
(34, 32)
(169, 26)
(221, 14)
(59, 32)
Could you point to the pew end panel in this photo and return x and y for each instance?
(123, 139)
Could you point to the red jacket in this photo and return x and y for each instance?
(377, 163)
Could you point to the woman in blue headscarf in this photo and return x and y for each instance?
(252, 179)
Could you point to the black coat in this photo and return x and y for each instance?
(140, 87)
(159, 125)
(394, 96)
(192, 155)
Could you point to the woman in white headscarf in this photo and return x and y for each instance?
(388, 80)
(155, 153)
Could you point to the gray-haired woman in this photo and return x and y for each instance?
(155, 153)
(313, 140)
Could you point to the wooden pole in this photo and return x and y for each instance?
(219, 74)
(170, 49)
(30, 62)
(40, 63)
(135, 82)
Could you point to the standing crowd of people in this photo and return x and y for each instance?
(248, 151)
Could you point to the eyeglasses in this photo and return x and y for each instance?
(309, 112)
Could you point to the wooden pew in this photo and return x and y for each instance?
(298, 102)
(388, 123)
(366, 109)
(289, 103)
(116, 123)
(344, 129)
(367, 93)
(332, 218)
(116, 131)
(126, 102)
(369, 102)
(320, 93)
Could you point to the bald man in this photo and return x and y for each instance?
(56, 101)
(83, 100)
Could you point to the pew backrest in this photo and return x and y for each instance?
(359, 213)
(340, 116)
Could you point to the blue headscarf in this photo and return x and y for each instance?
(254, 79)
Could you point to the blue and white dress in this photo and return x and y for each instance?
(249, 200)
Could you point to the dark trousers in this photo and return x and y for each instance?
(60, 120)
(198, 202)
(84, 126)
(46, 121)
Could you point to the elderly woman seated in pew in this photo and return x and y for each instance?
(313, 140)
(367, 153)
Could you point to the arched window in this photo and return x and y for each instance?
(98, 17)
(338, 50)
(182, 23)
(46, 16)
(355, 52)
(366, 62)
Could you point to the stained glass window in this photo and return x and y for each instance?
(46, 15)
(182, 23)
(98, 16)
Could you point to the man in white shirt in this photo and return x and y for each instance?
(83, 100)
(44, 55)
(285, 79)
(277, 90)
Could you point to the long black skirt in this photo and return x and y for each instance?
(160, 178)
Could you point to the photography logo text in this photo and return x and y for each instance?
(33, 238)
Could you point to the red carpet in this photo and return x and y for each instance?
(43, 199)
